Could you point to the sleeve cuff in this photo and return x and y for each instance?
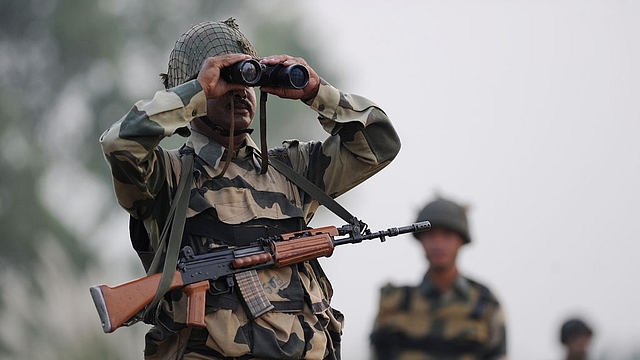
(327, 101)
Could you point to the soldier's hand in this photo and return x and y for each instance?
(209, 77)
(308, 92)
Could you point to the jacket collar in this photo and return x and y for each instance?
(213, 152)
(460, 286)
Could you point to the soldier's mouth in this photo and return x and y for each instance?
(240, 104)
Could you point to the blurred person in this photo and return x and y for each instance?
(447, 315)
(234, 199)
(575, 336)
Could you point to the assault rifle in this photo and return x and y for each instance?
(215, 271)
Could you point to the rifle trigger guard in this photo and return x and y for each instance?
(222, 285)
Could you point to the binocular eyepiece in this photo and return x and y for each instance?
(252, 73)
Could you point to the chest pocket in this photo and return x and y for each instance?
(243, 194)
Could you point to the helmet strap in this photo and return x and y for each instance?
(222, 131)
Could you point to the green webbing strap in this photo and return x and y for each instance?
(306, 185)
(311, 189)
(175, 221)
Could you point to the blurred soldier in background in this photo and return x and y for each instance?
(575, 336)
(447, 316)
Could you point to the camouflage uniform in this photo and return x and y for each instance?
(222, 211)
(420, 323)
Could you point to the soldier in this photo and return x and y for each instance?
(576, 336)
(447, 316)
(234, 199)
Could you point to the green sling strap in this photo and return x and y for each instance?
(311, 189)
(173, 229)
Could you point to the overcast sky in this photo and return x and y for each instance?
(527, 111)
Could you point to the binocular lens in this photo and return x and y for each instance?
(250, 71)
(298, 77)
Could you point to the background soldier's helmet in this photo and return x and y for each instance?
(447, 214)
(572, 328)
(209, 38)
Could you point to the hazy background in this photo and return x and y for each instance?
(524, 110)
(527, 111)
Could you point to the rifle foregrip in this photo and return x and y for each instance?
(302, 249)
(246, 261)
(197, 297)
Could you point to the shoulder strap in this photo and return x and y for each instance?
(311, 189)
(173, 228)
(306, 185)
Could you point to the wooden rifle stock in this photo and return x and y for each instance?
(116, 305)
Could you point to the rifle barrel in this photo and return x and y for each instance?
(395, 231)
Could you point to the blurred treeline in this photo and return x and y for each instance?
(69, 69)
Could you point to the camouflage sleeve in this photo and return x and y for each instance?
(130, 146)
(497, 344)
(362, 141)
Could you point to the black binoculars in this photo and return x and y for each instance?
(252, 73)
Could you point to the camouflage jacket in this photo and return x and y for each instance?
(362, 141)
(420, 323)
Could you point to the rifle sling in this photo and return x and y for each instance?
(175, 222)
(306, 185)
(311, 189)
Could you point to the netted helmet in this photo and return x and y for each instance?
(209, 38)
(447, 214)
(573, 327)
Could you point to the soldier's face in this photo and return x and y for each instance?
(578, 345)
(244, 109)
(441, 247)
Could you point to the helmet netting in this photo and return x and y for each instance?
(209, 38)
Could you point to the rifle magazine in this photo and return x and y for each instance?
(252, 293)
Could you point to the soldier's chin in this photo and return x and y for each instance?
(439, 264)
